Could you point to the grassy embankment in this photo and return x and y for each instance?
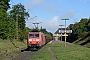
(83, 41)
(9, 49)
(70, 52)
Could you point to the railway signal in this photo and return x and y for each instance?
(65, 34)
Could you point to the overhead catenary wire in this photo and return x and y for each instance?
(12, 2)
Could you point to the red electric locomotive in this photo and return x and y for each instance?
(35, 40)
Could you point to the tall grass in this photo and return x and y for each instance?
(9, 49)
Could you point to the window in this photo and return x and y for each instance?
(36, 35)
(33, 35)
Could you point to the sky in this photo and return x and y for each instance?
(50, 12)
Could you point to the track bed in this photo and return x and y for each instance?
(26, 55)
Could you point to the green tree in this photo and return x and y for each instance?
(4, 4)
(88, 24)
(80, 28)
(6, 25)
(18, 13)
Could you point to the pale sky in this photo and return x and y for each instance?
(50, 12)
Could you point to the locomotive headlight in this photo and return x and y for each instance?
(30, 39)
(37, 39)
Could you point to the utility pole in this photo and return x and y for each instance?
(61, 31)
(16, 27)
(65, 29)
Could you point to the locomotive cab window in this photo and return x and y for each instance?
(36, 35)
(33, 35)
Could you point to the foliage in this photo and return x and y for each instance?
(8, 21)
(13, 22)
(4, 4)
(84, 34)
(80, 30)
(18, 13)
(7, 25)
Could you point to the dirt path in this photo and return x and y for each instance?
(53, 54)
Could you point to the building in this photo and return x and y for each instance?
(61, 32)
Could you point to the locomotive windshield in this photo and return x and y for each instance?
(34, 35)
(31, 35)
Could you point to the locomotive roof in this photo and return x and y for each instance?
(35, 30)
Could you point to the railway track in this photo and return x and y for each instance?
(26, 55)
